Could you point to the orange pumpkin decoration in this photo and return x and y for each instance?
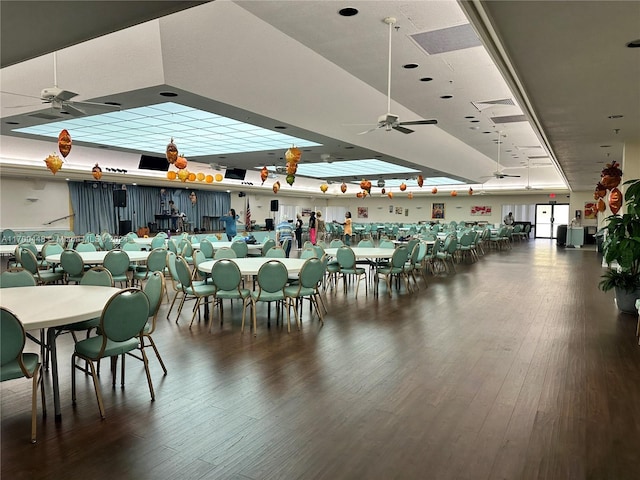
(410, 195)
(390, 194)
(611, 176)
(293, 155)
(343, 187)
(601, 205)
(96, 171)
(615, 200)
(64, 143)
(191, 177)
(54, 163)
(208, 178)
(454, 193)
(420, 181)
(324, 187)
(264, 174)
(276, 187)
(171, 175)
(434, 190)
(359, 195)
(218, 177)
(601, 190)
(172, 152)
(292, 168)
(403, 187)
(365, 185)
(200, 177)
(183, 175)
(181, 163)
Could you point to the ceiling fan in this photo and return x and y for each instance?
(390, 121)
(60, 99)
(528, 185)
(499, 174)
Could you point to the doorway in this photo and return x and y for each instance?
(548, 217)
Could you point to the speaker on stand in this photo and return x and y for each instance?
(120, 201)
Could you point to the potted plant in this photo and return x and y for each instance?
(622, 246)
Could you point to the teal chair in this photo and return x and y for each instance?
(42, 277)
(85, 247)
(267, 245)
(72, 265)
(175, 280)
(272, 278)
(122, 320)
(241, 248)
(192, 290)
(309, 279)
(395, 269)
(227, 281)
(336, 243)
(308, 252)
(17, 277)
(348, 268)
(156, 261)
(276, 252)
(224, 252)
(14, 363)
(157, 242)
(117, 262)
(206, 247)
(154, 289)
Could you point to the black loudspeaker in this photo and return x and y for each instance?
(274, 205)
(268, 224)
(124, 227)
(120, 198)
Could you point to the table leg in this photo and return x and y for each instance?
(51, 343)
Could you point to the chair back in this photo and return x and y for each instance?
(130, 247)
(17, 277)
(183, 271)
(308, 252)
(107, 242)
(154, 289)
(51, 248)
(124, 316)
(272, 276)
(206, 247)
(8, 236)
(98, 276)
(422, 252)
(268, 244)
(276, 252)
(171, 245)
(212, 238)
(171, 265)
(28, 261)
(453, 245)
(12, 340)
(319, 250)
(71, 262)
(157, 242)
(336, 243)
(185, 248)
(240, 247)
(387, 244)
(400, 256)
(198, 257)
(117, 262)
(226, 275)
(365, 243)
(224, 252)
(85, 247)
(346, 258)
(157, 260)
(412, 243)
(312, 272)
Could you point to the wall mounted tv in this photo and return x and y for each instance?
(235, 173)
(148, 162)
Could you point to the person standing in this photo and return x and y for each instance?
(230, 224)
(508, 220)
(174, 215)
(348, 231)
(312, 228)
(320, 226)
(284, 230)
(299, 224)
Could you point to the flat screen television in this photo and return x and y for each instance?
(235, 173)
(147, 162)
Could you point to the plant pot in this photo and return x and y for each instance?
(626, 301)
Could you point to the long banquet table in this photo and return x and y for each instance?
(251, 265)
(97, 258)
(49, 306)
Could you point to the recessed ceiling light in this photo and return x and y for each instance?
(280, 127)
(469, 116)
(410, 66)
(426, 79)
(634, 44)
(615, 116)
(348, 11)
(348, 148)
(446, 97)
(12, 123)
(116, 104)
(168, 94)
(63, 112)
(474, 128)
(605, 146)
(475, 121)
(486, 132)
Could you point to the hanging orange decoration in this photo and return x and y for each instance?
(276, 187)
(191, 177)
(171, 175)
(434, 190)
(264, 174)
(365, 185)
(218, 177)
(403, 187)
(200, 176)
(183, 175)
(343, 187)
(420, 181)
(208, 178)
(454, 193)
(172, 152)
(601, 191)
(611, 176)
(360, 194)
(615, 200)
(96, 171)
(601, 205)
(54, 163)
(470, 191)
(293, 155)
(64, 143)
(390, 194)
(181, 163)
(324, 187)
(410, 195)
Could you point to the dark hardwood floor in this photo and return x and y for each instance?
(516, 367)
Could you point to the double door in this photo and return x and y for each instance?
(549, 217)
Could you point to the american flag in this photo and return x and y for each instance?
(247, 217)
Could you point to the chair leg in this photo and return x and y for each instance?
(146, 370)
(155, 349)
(34, 402)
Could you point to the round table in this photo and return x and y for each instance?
(10, 249)
(251, 265)
(364, 252)
(97, 258)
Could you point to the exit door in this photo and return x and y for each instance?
(548, 217)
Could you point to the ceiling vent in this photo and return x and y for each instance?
(447, 39)
(509, 119)
(45, 116)
(490, 103)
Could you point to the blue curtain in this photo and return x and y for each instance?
(94, 210)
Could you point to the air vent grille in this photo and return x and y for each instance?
(447, 39)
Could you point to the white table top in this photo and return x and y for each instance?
(365, 252)
(97, 258)
(218, 245)
(251, 265)
(10, 249)
(54, 305)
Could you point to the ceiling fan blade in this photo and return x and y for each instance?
(65, 95)
(19, 94)
(420, 122)
(95, 105)
(512, 176)
(402, 129)
(73, 111)
(369, 131)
